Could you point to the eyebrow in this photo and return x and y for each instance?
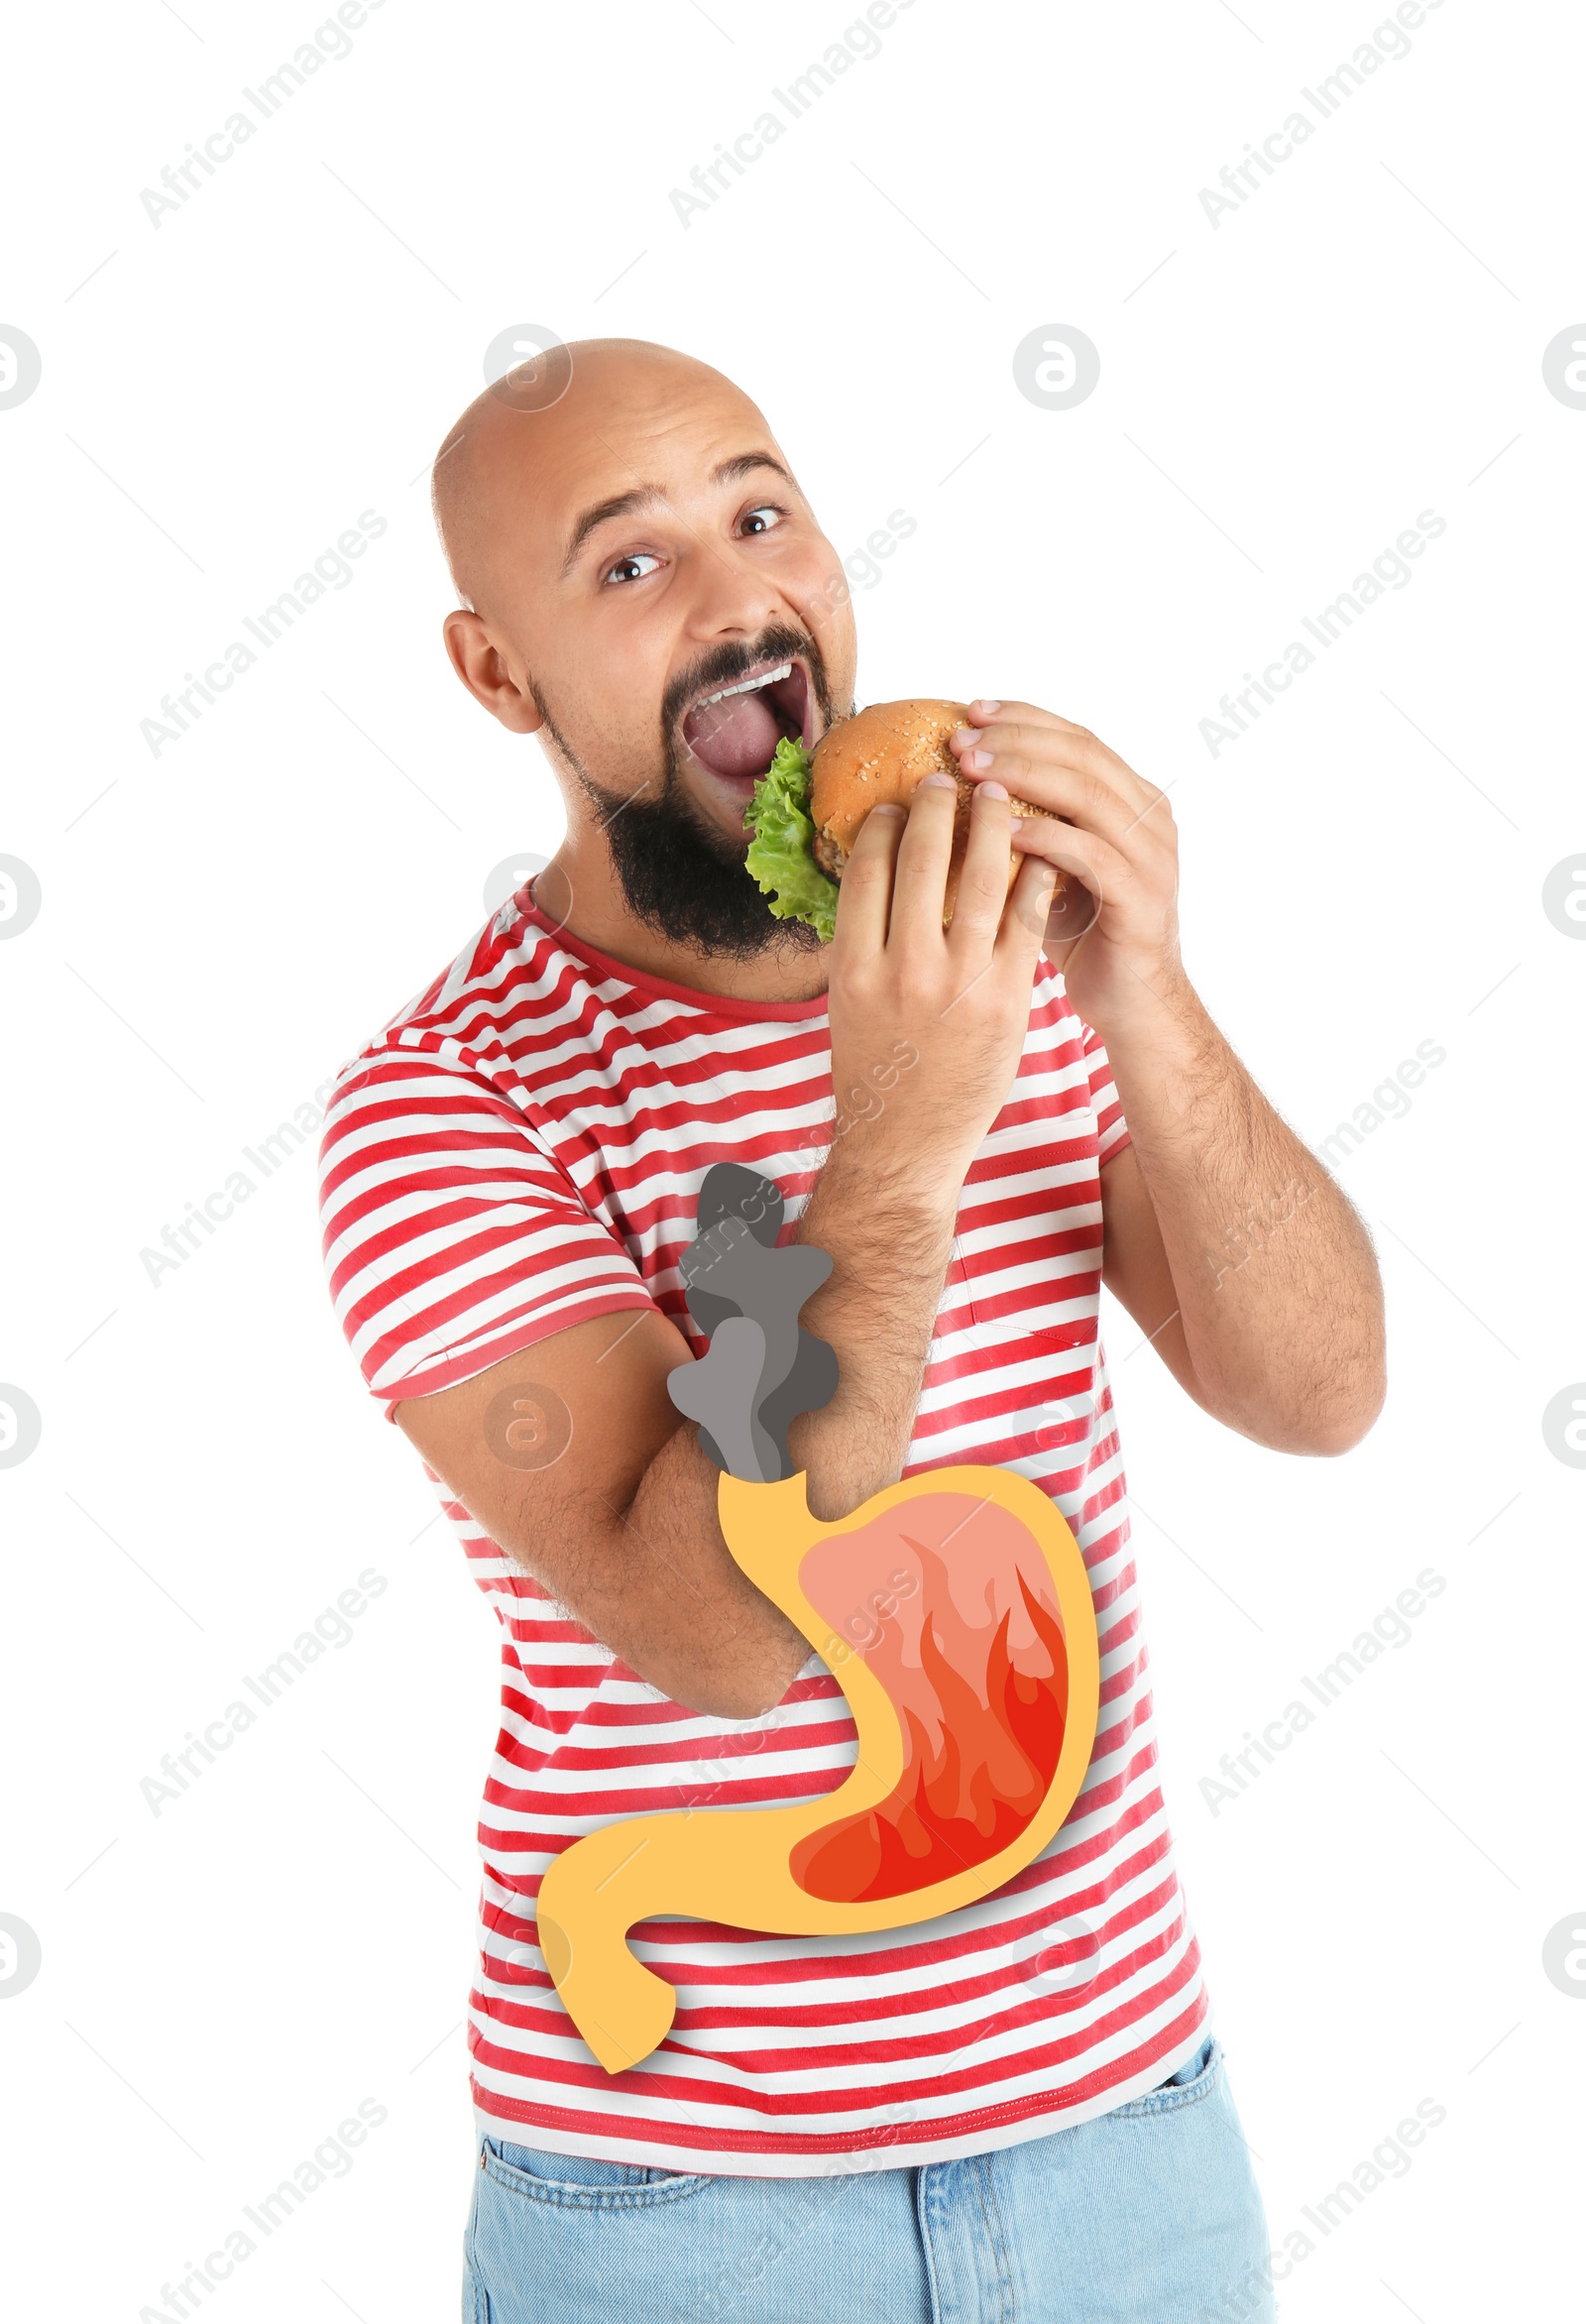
(745, 464)
(620, 504)
(644, 496)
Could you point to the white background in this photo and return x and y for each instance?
(1280, 397)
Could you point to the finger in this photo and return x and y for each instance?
(1080, 855)
(984, 711)
(1044, 738)
(1073, 911)
(1081, 798)
(1038, 735)
(919, 877)
(1024, 922)
(982, 875)
(864, 897)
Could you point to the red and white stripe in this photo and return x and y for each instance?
(522, 1149)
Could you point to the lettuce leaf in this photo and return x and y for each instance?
(781, 858)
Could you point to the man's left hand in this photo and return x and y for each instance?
(1117, 836)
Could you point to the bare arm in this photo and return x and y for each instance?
(1225, 1239)
(1232, 1249)
(620, 1524)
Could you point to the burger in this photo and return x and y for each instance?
(808, 807)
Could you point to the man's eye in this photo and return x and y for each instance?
(763, 519)
(634, 568)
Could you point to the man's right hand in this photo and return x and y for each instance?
(622, 1525)
(928, 1023)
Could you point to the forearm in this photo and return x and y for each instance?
(664, 1590)
(1279, 1296)
(889, 1235)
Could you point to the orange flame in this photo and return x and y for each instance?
(979, 1674)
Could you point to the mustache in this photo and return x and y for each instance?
(735, 658)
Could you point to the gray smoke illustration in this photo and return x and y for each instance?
(745, 1293)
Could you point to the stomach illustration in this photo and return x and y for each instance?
(971, 1655)
(954, 1612)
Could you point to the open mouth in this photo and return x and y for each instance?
(734, 730)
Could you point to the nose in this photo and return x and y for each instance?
(732, 596)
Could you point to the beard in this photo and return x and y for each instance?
(678, 873)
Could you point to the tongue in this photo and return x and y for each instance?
(737, 735)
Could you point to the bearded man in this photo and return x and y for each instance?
(1017, 2108)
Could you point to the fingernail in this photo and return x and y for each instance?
(888, 808)
(937, 782)
(976, 762)
(991, 791)
(990, 708)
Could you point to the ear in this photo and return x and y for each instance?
(483, 668)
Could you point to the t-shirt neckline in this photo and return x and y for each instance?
(723, 1004)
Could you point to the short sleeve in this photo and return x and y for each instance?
(1113, 1131)
(452, 1237)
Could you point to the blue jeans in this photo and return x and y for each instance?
(1148, 2215)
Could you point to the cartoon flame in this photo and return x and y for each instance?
(974, 1659)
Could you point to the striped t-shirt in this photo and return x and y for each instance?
(520, 1150)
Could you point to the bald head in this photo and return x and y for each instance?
(517, 444)
(645, 587)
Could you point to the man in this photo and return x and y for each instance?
(1015, 2109)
